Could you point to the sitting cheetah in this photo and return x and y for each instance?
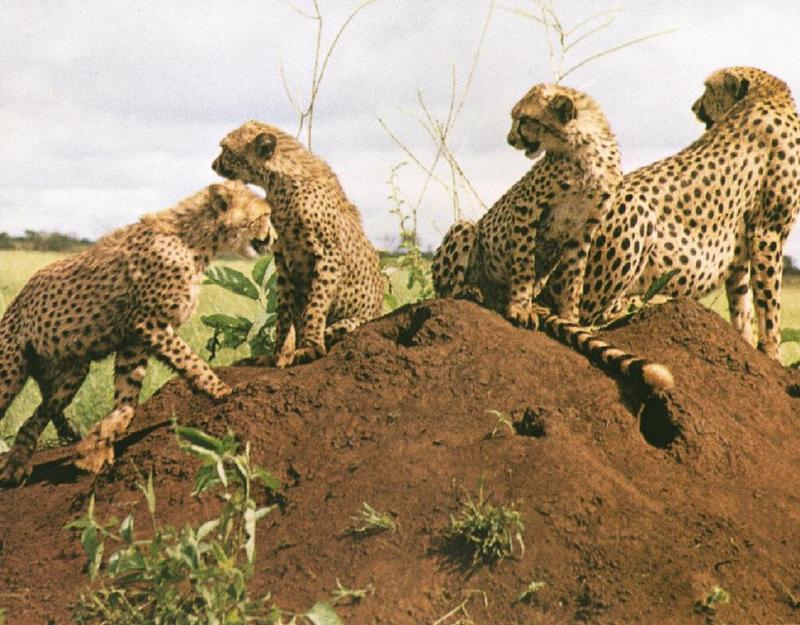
(545, 222)
(718, 211)
(126, 294)
(328, 276)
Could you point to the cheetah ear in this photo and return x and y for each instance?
(218, 198)
(265, 144)
(737, 86)
(563, 107)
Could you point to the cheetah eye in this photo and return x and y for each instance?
(265, 145)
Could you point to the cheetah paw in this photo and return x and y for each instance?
(307, 354)
(220, 391)
(93, 455)
(256, 361)
(15, 466)
(526, 316)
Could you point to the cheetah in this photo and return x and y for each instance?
(718, 212)
(545, 223)
(328, 277)
(126, 294)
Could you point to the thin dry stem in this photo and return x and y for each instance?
(305, 115)
(616, 49)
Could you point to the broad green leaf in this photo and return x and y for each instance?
(149, 493)
(78, 524)
(262, 512)
(232, 280)
(263, 267)
(3, 449)
(790, 335)
(229, 331)
(250, 532)
(126, 529)
(272, 293)
(322, 613)
(206, 528)
(225, 323)
(199, 438)
(223, 476)
(659, 284)
(206, 478)
(266, 478)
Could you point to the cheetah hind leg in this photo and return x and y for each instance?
(97, 448)
(57, 394)
(452, 261)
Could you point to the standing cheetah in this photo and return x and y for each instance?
(328, 276)
(545, 223)
(718, 211)
(126, 294)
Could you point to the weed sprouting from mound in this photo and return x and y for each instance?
(484, 532)
(191, 575)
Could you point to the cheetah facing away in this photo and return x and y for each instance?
(126, 294)
(544, 224)
(718, 211)
(328, 277)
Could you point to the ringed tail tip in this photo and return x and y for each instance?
(658, 377)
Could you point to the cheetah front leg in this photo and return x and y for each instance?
(572, 267)
(16, 465)
(524, 284)
(160, 338)
(285, 333)
(97, 448)
(320, 297)
(766, 268)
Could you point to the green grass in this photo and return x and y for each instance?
(96, 395)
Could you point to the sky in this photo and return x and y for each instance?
(112, 109)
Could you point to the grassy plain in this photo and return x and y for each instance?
(96, 395)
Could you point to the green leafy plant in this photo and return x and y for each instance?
(370, 521)
(658, 285)
(189, 575)
(232, 331)
(419, 283)
(486, 532)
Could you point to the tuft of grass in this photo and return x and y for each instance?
(370, 521)
(485, 532)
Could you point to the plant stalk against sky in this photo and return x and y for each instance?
(305, 111)
(561, 40)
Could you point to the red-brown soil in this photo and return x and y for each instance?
(633, 511)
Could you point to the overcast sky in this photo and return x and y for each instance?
(111, 109)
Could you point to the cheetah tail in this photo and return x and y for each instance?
(654, 376)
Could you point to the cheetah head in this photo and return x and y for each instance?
(260, 154)
(242, 219)
(538, 120)
(724, 88)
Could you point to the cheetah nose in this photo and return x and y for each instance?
(218, 167)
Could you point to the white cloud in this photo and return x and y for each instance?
(111, 109)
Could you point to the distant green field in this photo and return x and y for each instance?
(96, 396)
